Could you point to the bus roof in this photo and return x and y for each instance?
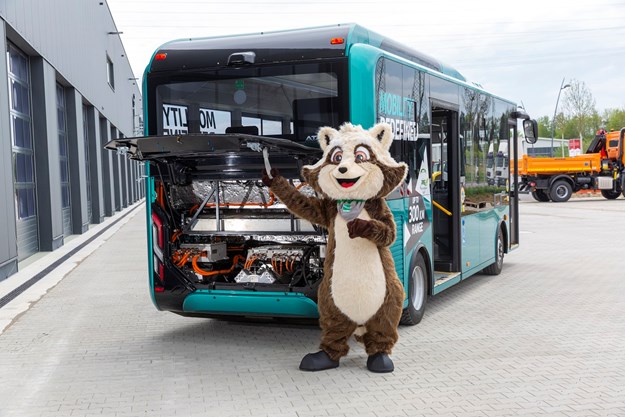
(284, 46)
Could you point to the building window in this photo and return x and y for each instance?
(110, 72)
(21, 134)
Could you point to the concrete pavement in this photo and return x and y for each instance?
(544, 338)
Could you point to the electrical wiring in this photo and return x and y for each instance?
(202, 272)
(250, 262)
(175, 235)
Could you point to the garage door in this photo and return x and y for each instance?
(23, 154)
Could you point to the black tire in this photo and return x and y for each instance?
(610, 194)
(560, 191)
(540, 195)
(496, 267)
(417, 293)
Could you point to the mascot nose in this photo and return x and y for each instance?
(342, 170)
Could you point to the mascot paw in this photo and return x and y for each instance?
(265, 178)
(317, 362)
(359, 228)
(380, 363)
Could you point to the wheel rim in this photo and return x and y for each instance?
(561, 191)
(499, 252)
(418, 288)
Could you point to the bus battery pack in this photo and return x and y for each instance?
(211, 252)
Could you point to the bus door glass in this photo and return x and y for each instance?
(445, 189)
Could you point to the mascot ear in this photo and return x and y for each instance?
(382, 131)
(325, 135)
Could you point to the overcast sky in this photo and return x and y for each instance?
(518, 50)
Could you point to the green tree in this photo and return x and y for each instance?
(544, 127)
(579, 106)
(561, 123)
(614, 119)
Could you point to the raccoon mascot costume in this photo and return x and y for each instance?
(360, 293)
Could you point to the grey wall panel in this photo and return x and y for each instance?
(95, 159)
(133, 181)
(73, 36)
(8, 243)
(107, 170)
(117, 174)
(77, 174)
(116, 178)
(47, 168)
(123, 164)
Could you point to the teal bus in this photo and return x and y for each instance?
(217, 108)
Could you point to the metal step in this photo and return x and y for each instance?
(441, 278)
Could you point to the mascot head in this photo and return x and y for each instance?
(356, 163)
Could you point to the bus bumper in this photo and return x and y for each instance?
(274, 304)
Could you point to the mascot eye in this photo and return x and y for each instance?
(337, 156)
(362, 154)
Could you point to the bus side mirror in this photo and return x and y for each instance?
(530, 129)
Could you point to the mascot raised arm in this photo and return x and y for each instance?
(360, 293)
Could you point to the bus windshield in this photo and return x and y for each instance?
(287, 101)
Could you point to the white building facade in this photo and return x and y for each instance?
(66, 89)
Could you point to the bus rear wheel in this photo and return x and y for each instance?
(496, 267)
(417, 293)
(560, 191)
(540, 195)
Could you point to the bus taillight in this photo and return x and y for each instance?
(158, 246)
(157, 231)
(159, 267)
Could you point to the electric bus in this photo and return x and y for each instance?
(216, 109)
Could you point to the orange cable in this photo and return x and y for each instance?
(176, 235)
(202, 272)
(160, 194)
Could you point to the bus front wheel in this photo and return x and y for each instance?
(417, 293)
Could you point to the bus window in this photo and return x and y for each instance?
(290, 102)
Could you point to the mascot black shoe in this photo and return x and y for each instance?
(317, 362)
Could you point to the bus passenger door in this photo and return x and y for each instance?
(445, 192)
(514, 183)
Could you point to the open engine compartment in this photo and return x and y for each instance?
(233, 234)
(221, 243)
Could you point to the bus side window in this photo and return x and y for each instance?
(396, 151)
(312, 113)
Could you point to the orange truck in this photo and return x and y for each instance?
(601, 168)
